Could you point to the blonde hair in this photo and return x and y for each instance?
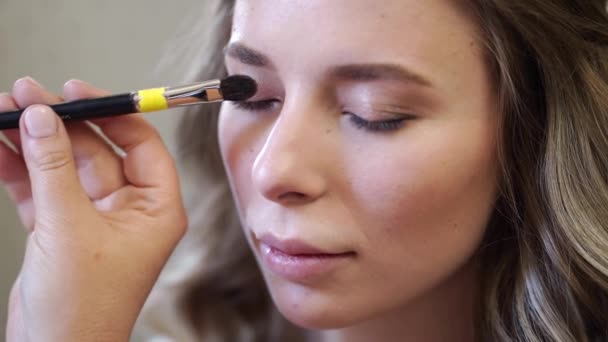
(545, 255)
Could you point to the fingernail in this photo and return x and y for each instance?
(74, 81)
(29, 80)
(40, 122)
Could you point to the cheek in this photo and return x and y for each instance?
(428, 203)
(239, 140)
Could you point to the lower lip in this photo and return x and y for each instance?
(302, 267)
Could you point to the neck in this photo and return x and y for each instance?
(446, 313)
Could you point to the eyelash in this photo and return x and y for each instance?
(375, 126)
(255, 106)
(357, 121)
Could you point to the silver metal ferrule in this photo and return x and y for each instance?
(204, 92)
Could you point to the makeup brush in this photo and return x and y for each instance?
(232, 88)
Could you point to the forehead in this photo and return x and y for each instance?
(424, 34)
(352, 15)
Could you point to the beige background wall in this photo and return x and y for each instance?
(112, 43)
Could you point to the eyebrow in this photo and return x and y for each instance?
(247, 55)
(352, 72)
(379, 72)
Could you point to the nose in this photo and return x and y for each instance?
(290, 167)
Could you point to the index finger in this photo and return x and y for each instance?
(147, 162)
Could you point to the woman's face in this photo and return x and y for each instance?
(365, 168)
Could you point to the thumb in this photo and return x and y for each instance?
(47, 151)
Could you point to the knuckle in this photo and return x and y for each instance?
(6, 102)
(182, 222)
(52, 160)
(164, 205)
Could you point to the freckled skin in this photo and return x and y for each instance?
(413, 203)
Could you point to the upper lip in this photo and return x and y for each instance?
(292, 246)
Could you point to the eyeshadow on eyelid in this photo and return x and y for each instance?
(394, 97)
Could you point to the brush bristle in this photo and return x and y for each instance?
(238, 88)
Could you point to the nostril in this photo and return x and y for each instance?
(292, 196)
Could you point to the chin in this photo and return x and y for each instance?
(312, 308)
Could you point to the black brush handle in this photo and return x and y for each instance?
(80, 110)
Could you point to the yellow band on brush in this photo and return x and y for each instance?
(151, 100)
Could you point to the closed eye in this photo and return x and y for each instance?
(376, 125)
(256, 106)
(357, 121)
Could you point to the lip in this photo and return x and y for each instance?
(292, 246)
(298, 261)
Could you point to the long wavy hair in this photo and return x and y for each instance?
(544, 260)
